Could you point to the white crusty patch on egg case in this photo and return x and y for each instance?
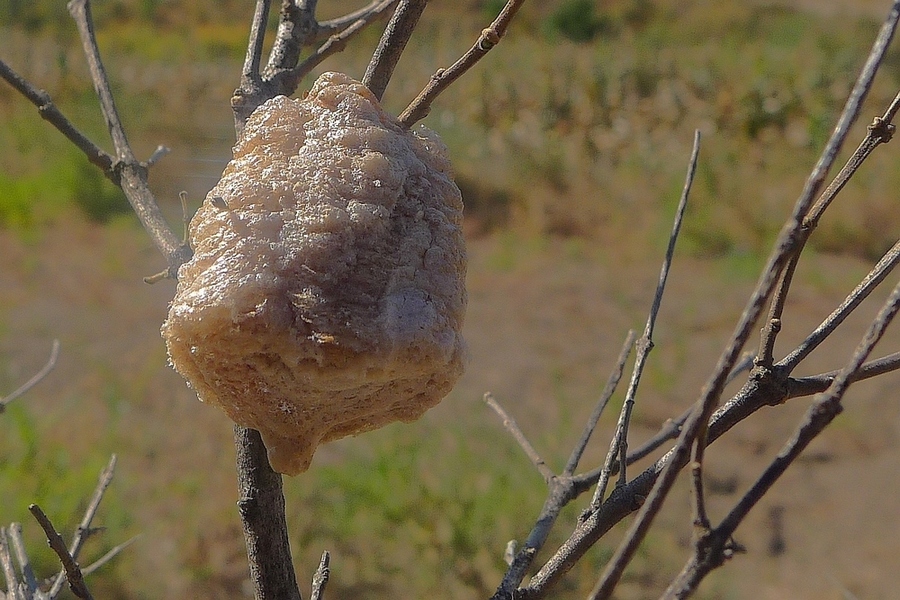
(326, 292)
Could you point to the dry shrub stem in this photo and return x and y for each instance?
(320, 578)
(563, 488)
(611, 384)
(880, 131)
(712, 548)
(29, 587)
(650, 488)
(618, 446)
(70, 566)
(84, 528)
(391, 45)
(261, 507)
(130, 174)
(298, 28)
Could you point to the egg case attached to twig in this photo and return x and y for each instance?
(326, 293)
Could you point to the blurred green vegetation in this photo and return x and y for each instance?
(578, 127)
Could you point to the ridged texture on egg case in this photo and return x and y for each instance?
(326, 293)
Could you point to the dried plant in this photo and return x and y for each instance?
(770, 381)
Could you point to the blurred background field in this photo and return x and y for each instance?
(569, 142)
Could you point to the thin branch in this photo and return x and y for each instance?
(619, 445)
(286, 82)
(650, 488)
(251, 77)
(299, 28)
(261, 506)
(49, 112)
(320, 578)
(29, 580)
(611, 385)
(872, 280)
(6, 567)
(84, 528)
(73, 572)
(418, 109)
(804, 386)
(513, 428)
(672, 427)
(879, 132)
(130, 175)
(115, 551)
(81, 12)
(45, 370)
(390, 47)
(709, 554)
(562, 489)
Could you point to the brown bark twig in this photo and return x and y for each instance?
(320, 578)
(49, 112)
(392, 44)
(73, 572)
(611, 384)
(84, 528)
(711, 550)
(35, 379)
(418, 109)
(618, 446)
(261, 508)
(650, 488)
(562, 488)
(880, 131)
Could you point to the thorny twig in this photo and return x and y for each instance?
(618, 446)
(35, 379)
(418, 109)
